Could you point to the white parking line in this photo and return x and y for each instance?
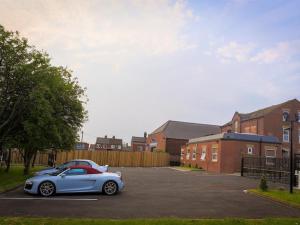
(53, 199)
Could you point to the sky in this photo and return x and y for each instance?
(144, 62)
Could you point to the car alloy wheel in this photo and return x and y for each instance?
(47, 188)
(110, 188)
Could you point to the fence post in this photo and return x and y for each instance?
(242, 167)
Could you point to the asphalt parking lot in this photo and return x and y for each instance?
(153, 193)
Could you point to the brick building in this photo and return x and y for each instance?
(170, 136)
(105, 143)
(271, 121)
(222, 152)
(139, 143)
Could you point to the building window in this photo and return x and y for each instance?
(270, 157)
(188, 154)
(250, 150)
(286, 135)
(236, 126)
(285, 116)
(182, 153)
(298, 117)
(285, 153)
(214, 154)
(194, 154)
(203, 153)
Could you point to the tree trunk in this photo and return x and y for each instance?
(1, 156)
(27, 158)
(8, 160)
(34, 158)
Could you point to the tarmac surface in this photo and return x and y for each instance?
(154, 193)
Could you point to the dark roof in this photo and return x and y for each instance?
(138, 139)
(185, 130)
(259, 113)
(239, 137)
(109, 141)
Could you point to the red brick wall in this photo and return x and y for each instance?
(135, 146)
(229, 154)
(160, 139)
(274, 124)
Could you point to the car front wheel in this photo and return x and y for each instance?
(46, 189)
(110, 188)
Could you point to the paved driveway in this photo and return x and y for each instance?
(152, 193)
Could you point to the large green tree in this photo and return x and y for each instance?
(45, 105)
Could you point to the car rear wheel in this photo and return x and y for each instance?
(46, 189)
(110, 188)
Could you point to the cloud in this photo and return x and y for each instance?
(281, 52)
(239, 52)
(108, 27)
(235, 51)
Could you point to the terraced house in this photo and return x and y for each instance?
(265, 133)
(271, 121)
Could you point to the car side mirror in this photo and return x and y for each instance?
(63, 175)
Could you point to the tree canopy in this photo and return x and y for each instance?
(41, 105)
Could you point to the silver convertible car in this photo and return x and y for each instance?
(75, 162)
(76, 179)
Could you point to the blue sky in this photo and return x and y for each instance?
(145, 62)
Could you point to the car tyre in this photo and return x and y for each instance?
(110, 188)
(47, 189)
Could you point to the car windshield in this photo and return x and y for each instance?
(59, 171)
(65, 165)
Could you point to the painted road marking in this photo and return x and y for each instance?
(52, 199)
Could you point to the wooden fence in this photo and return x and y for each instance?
(111, 158)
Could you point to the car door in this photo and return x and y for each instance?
(75, 180)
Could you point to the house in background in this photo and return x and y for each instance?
(105, 143)
(223, 152)
(270, 121)
(82, 146)
(170, 136)
(139, 143)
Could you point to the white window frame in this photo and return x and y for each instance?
(270, 157)
(182, 153)
(250, 150)
(214, 155)
(287, 140)
(187, 154)
(203, 153)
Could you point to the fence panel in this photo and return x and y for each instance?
(111, 158)
(273, 169)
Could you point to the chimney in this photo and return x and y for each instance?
(105, 136)
(145, 134)
(113, 137)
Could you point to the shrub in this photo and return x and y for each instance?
(263, 184)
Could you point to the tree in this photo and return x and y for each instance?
(45, 106)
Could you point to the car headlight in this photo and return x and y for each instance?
(29, 182)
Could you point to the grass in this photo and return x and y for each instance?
(14, 177)
(186, 168)
(280, 195)
(50, 221)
